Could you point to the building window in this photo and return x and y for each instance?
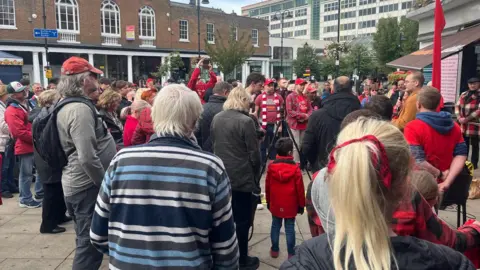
(265, 10)
(7, 14)
(330, 6)
(329, 29)
(276, 8)
(110, 18)
(300, 33)
(288, 5)
(66, 12)
(275, 26)
(255, 37)
(288, 34)
(287, 24)
(301, 22)
(388, 8)
(146, 22)
(407, 5)
(301, 12)
(275, 35)
(367, 11)
(299, 3)
(287, 53)
(332, 17)
(211, 33)
(350, 14)
(366, 24)
(348, 26)
(254, 12)
(348, 3)
(366, 2)
(183, 32)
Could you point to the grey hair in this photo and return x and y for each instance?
(72, 85)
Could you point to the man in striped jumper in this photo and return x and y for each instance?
(166, 204)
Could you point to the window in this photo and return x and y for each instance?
(407, 5)
(329, 29)
(301, 12)
(367, 11)
(366, 24)
(366, 2)
(275, 26)
(146, 23)
(273, 18)
(7, 14)
(265, 10)
(235, 33)
(211, 33)
(330, 39)
(183, 32)
(287, 53)
(288, 5)
(110, 18)
(254, 12)
(348, 26)
(288, 34)
(288, 15)
(287, 24)
(388, 8)
(300, 33)
(66, 12)
(276, 35)
(276, 8)
(330, 6)
(299, 3)
(348, 3)
(350, 14)
(332, 17)
(301, 22)
(255, 37)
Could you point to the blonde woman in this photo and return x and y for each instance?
(367, 176)
(107, 104)
(235, 141)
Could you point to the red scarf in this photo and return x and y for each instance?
(264, 110)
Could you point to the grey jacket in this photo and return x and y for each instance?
(89, 149)
(235, 141)
(4, 132)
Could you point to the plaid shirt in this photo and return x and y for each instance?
(414, 217)
(469, 109)
(294, 114)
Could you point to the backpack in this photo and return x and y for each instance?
(45, 133)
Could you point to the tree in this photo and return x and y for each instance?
(231, 52)
(361, 58)
(307, 59)
(172, 64)
(409, 30)
(386, 40)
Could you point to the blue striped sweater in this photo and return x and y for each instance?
(165, 205)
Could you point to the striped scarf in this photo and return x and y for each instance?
(264, 110)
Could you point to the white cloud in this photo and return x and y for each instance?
(226, 5)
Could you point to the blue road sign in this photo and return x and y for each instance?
(45, 33)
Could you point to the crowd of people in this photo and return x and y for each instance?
(170, 177)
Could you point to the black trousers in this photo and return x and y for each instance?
(53, 206)
(473, 141)
(242, 215)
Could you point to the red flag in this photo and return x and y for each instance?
(437, 48)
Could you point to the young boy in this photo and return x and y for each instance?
(285, 195)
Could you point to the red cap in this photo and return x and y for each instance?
(311, 89)
(269, 81)
(300, 81)
(75, 65)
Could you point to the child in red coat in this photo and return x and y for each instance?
(285, 195)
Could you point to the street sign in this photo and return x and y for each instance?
(45, 33)
(307, 70)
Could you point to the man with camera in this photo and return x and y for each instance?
(199, 85)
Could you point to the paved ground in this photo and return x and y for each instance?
(22, 247)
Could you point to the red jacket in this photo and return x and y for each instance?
(20, 128)
(130, 125)
(284, 188)
(199, 86)
(144, 129)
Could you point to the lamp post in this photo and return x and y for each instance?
(337, 61)
(204, 2)
(284, 14)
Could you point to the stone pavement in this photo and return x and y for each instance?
(22, 247)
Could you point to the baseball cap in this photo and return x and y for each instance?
(15, 87)
(474, 80)
(269, 81)
(300, 81)
(75, 65)
(311, 89)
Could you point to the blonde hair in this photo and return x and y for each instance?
(108, 98)
(425, 184)
(48, 98)
(363, 205)
(238, 99)
(176, 110)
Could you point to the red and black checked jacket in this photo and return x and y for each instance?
(471, 111)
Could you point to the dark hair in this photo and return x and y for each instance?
(25, 82)
(221, 87)
(284, 146)
(53, 80)
(254, 77)
(395, 83)
(353, 116)
(291, 82)
(380, 105)
(171, 80)
(233, 82)
(429, 98)
(418, 76)
(117, 85)
(344, 85)
(104, 81)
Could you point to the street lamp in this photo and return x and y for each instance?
(284, 14)
(204, 2)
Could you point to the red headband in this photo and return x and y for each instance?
(384, 171)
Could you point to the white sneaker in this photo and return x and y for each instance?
(260, 207)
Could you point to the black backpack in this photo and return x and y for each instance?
(45, 133)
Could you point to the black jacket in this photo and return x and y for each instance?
(394, 97)
(324, 126)
(210, 109)
(113, 127)
(123, 104)
(235, 141)
(410, 253)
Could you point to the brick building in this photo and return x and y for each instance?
(128, 39)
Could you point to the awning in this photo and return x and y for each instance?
(7, 59)
(450, 45)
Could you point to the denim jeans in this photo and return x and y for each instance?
(80, 206)
(269, 136)
(289, 233)
(26, 177)
(8, 165)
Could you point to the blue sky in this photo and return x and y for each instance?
(227, 5)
